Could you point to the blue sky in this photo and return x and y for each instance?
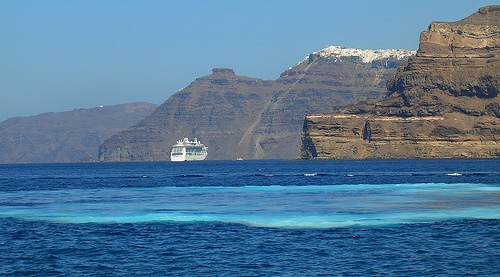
(64, 55)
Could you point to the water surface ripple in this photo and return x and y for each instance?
(251, 218)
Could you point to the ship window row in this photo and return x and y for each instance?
(194, 149)
(177, 150)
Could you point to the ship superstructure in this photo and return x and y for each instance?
(186, 150)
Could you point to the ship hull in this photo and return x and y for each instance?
(187, 158)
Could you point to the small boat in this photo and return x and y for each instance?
(454, 174)
(186, 150)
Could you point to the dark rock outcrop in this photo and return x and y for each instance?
(242, 117)
(444, 102)
(73, 136)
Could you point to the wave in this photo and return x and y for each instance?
(291, 174)
(191, 175)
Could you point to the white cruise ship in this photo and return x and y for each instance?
(186, 150)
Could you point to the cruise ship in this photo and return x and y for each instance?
(186, 150)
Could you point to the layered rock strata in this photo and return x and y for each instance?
(443, 103)
(242, 117)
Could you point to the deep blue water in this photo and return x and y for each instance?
(251, 218)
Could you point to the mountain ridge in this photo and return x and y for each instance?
(250, 118)
(70, 136)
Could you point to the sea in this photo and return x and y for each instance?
(251, 218)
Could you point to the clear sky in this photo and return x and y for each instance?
(66, 54)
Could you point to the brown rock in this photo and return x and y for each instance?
(242, 117)
(442, 103)
(454, 135)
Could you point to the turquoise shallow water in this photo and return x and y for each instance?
(309, 206)
(251, 218)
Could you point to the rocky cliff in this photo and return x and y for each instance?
(242, 117)
(217, 109)
(71, 136)
(442, 103)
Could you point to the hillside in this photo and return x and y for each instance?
(242, 117)
(442, 103)
(71, 136)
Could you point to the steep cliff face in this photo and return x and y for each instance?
(237, 116)
(444, 102)
(452, 135)
(333, 76)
